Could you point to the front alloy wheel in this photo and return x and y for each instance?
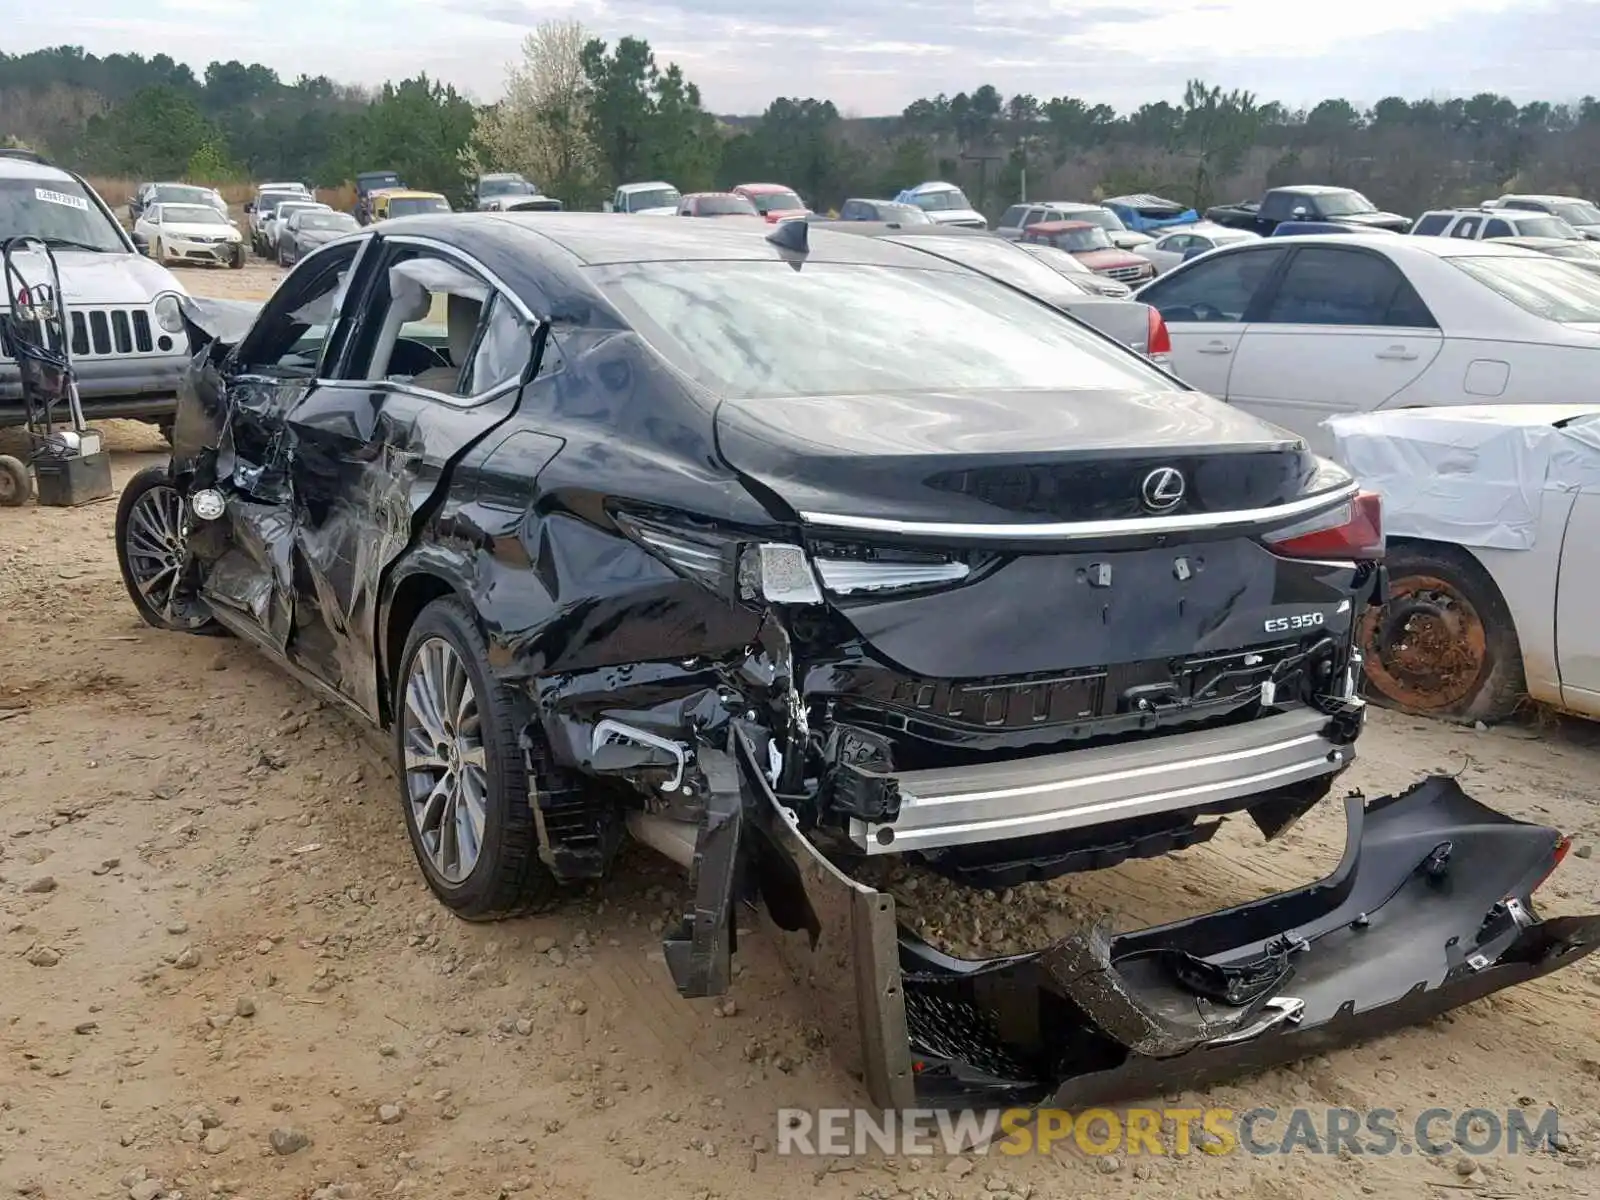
(465, 785)
(447, 774)
(152, 550)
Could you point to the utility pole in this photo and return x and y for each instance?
(983, 159)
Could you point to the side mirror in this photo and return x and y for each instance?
(607, 206)
(249, 208)
(141, 243)
(1298, 212)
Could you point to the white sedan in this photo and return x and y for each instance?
(1191, 241)
(1298, 329)
(189, 233)
(1492, 521)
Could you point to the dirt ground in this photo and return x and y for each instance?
(222, 973)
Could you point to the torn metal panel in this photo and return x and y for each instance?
(1430, 908)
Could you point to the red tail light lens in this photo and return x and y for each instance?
(1353, 529)
(1157, 340)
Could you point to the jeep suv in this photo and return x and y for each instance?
(127, 335)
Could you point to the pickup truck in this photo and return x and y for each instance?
(1308, 202)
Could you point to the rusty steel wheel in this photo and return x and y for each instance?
(1443, 644)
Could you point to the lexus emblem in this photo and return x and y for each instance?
(1162, 489)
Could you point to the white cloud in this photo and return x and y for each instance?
(871, 56)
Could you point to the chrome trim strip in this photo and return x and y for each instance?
(1080, 530)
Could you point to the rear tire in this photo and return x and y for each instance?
(1444, 644)
(15, 485)
(464, 786)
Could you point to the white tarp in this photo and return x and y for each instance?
(1474, 476)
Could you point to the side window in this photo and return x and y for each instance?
(1497, 228)
(287, 339)
(435, 325)
(1432, 224)
(1219, 289)
(1012, 219)
(1280, 206)
(1345, 287)
(1467, 227)
(1176, 244)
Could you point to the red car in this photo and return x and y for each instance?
(773, 201)
(715, 204)
(1091, 246)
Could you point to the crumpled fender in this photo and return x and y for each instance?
(1430, 908)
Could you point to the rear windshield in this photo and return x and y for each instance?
(659, 198)
(724, 206)
(1344, 204)
(192, 214)
(1090, 238)
(1550, 227)
(168, 193)
(777, 202)
(410, 206)
(58, 211)
(313, 218)
(953, 200)
(751, 329)
(996, 259)
(1543, 286)
(505, 187)
(1577, 212)
(1103, 217)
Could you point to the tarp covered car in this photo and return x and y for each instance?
(608, 543)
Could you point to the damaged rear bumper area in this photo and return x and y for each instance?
(1430, 908)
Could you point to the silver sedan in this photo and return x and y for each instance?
(1186, 241)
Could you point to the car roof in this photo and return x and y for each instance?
(764, 187)
(933, 185)
(1062, 226)
(881, 228)
(501, 175)
(410, 194)
(1439, 247)
(653, 186)
(1541, 197)
(1312, 189)
(22, 168)
(596, 239)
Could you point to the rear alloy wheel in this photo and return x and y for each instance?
(1443, 645)
(463, 781)
(152, 552)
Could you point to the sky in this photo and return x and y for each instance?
(873, 57)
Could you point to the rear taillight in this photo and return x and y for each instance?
(1353, 529)
(1157, 339)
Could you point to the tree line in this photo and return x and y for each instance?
(581, 115)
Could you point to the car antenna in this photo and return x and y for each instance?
(791, 235)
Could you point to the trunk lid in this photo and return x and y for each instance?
(1008, 456)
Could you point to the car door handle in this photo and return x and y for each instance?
(1215, 348)
(1397, 354)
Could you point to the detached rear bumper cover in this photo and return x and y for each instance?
(1429, 909)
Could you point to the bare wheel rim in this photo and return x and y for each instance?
(1427, 646)
(156, 551)
(446, 766)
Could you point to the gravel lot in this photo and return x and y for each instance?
(224, 975)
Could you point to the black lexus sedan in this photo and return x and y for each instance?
(781, 549)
